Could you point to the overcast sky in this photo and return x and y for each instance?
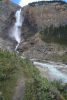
(25, 2)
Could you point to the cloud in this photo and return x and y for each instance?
(25, 2)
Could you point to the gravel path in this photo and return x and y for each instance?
(19, 91)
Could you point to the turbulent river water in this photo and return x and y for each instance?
(54, 70)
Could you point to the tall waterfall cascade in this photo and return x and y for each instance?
(16, 29)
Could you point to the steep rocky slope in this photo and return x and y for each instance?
(37, 16)
(7, 18)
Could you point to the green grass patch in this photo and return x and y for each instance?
(41, 89)
(29, 69)
(12, 67)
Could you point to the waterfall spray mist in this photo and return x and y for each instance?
(16, 29)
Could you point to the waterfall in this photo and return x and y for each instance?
(16, 29)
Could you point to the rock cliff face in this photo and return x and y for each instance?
(37, 16)
(7, 18)
(41, 14)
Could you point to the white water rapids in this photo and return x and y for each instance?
(52, 69)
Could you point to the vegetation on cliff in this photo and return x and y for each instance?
(54, 34)
(46, 2)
